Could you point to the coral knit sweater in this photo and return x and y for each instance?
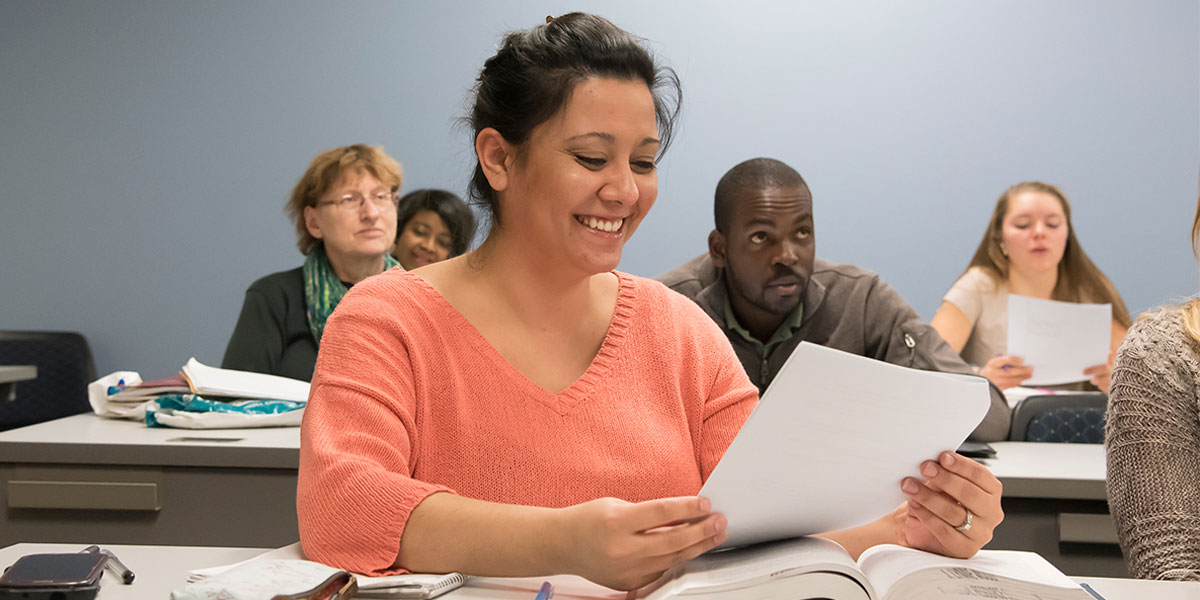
(409, 399)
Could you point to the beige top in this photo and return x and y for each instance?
(1152, 438)
(985, 302)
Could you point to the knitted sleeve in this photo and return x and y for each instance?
(730, 402)
(1152, 439)
(358, 440)
(721, 384)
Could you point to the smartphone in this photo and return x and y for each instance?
(45, 576)
(977, 450)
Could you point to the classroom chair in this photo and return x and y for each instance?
(64, 369)
(1070, 418)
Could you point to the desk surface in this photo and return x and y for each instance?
(1059, 471)
(12, 373)
(160, 569)
(88, 439)
(1028, 470)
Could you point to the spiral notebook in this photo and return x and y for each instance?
(413, 585)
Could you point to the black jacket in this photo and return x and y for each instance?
(272, 335)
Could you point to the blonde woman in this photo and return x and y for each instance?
(1029, 249)
(1153, 441)
(344, 210)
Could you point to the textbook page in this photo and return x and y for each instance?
(831, 439)
(899, 572)
(1058, 339)
(758, 571)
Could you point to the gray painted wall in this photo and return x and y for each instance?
(146, 148)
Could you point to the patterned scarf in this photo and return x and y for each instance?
(323, 290)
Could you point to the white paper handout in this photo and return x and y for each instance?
(1058, 339)
(831, 439)
(206, 380)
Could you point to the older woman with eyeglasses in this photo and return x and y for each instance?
(344, 210)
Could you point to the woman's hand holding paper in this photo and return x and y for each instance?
(1101, 375)
(625, 545)
(954, 510)
(1006, 371)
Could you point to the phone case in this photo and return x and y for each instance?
(70, 592)
(57, 576)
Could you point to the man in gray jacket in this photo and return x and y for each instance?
(762, 283)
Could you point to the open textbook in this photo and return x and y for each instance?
(809, 568)
(829, 443)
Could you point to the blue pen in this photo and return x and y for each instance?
(546, 592)
(1087, 588)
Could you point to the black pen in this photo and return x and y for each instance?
(113, 564)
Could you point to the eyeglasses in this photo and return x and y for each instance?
(355, 202)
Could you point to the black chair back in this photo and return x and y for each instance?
(1069, 418)
(64, 369)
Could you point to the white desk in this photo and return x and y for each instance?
(1055, 504)
(160, 569)
(85, 478)
(10, 375)
(136, 485)
(1060, 471)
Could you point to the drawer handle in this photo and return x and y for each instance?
(1086, 528)
(84, 495)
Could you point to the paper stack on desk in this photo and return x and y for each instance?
(201, 397)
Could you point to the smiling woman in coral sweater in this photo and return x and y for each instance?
(526, 410)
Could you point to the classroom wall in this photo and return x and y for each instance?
(147, 148)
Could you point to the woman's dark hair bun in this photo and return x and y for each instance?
(533, 74)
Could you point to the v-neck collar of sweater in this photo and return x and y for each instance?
(586, 384)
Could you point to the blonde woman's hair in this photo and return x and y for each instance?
(326, 170)
(1191, 310)
(1079, 279)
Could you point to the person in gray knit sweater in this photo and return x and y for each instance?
(1152, 439)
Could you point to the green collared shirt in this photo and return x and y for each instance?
(785, 331)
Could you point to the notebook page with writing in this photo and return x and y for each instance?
(831, 439)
